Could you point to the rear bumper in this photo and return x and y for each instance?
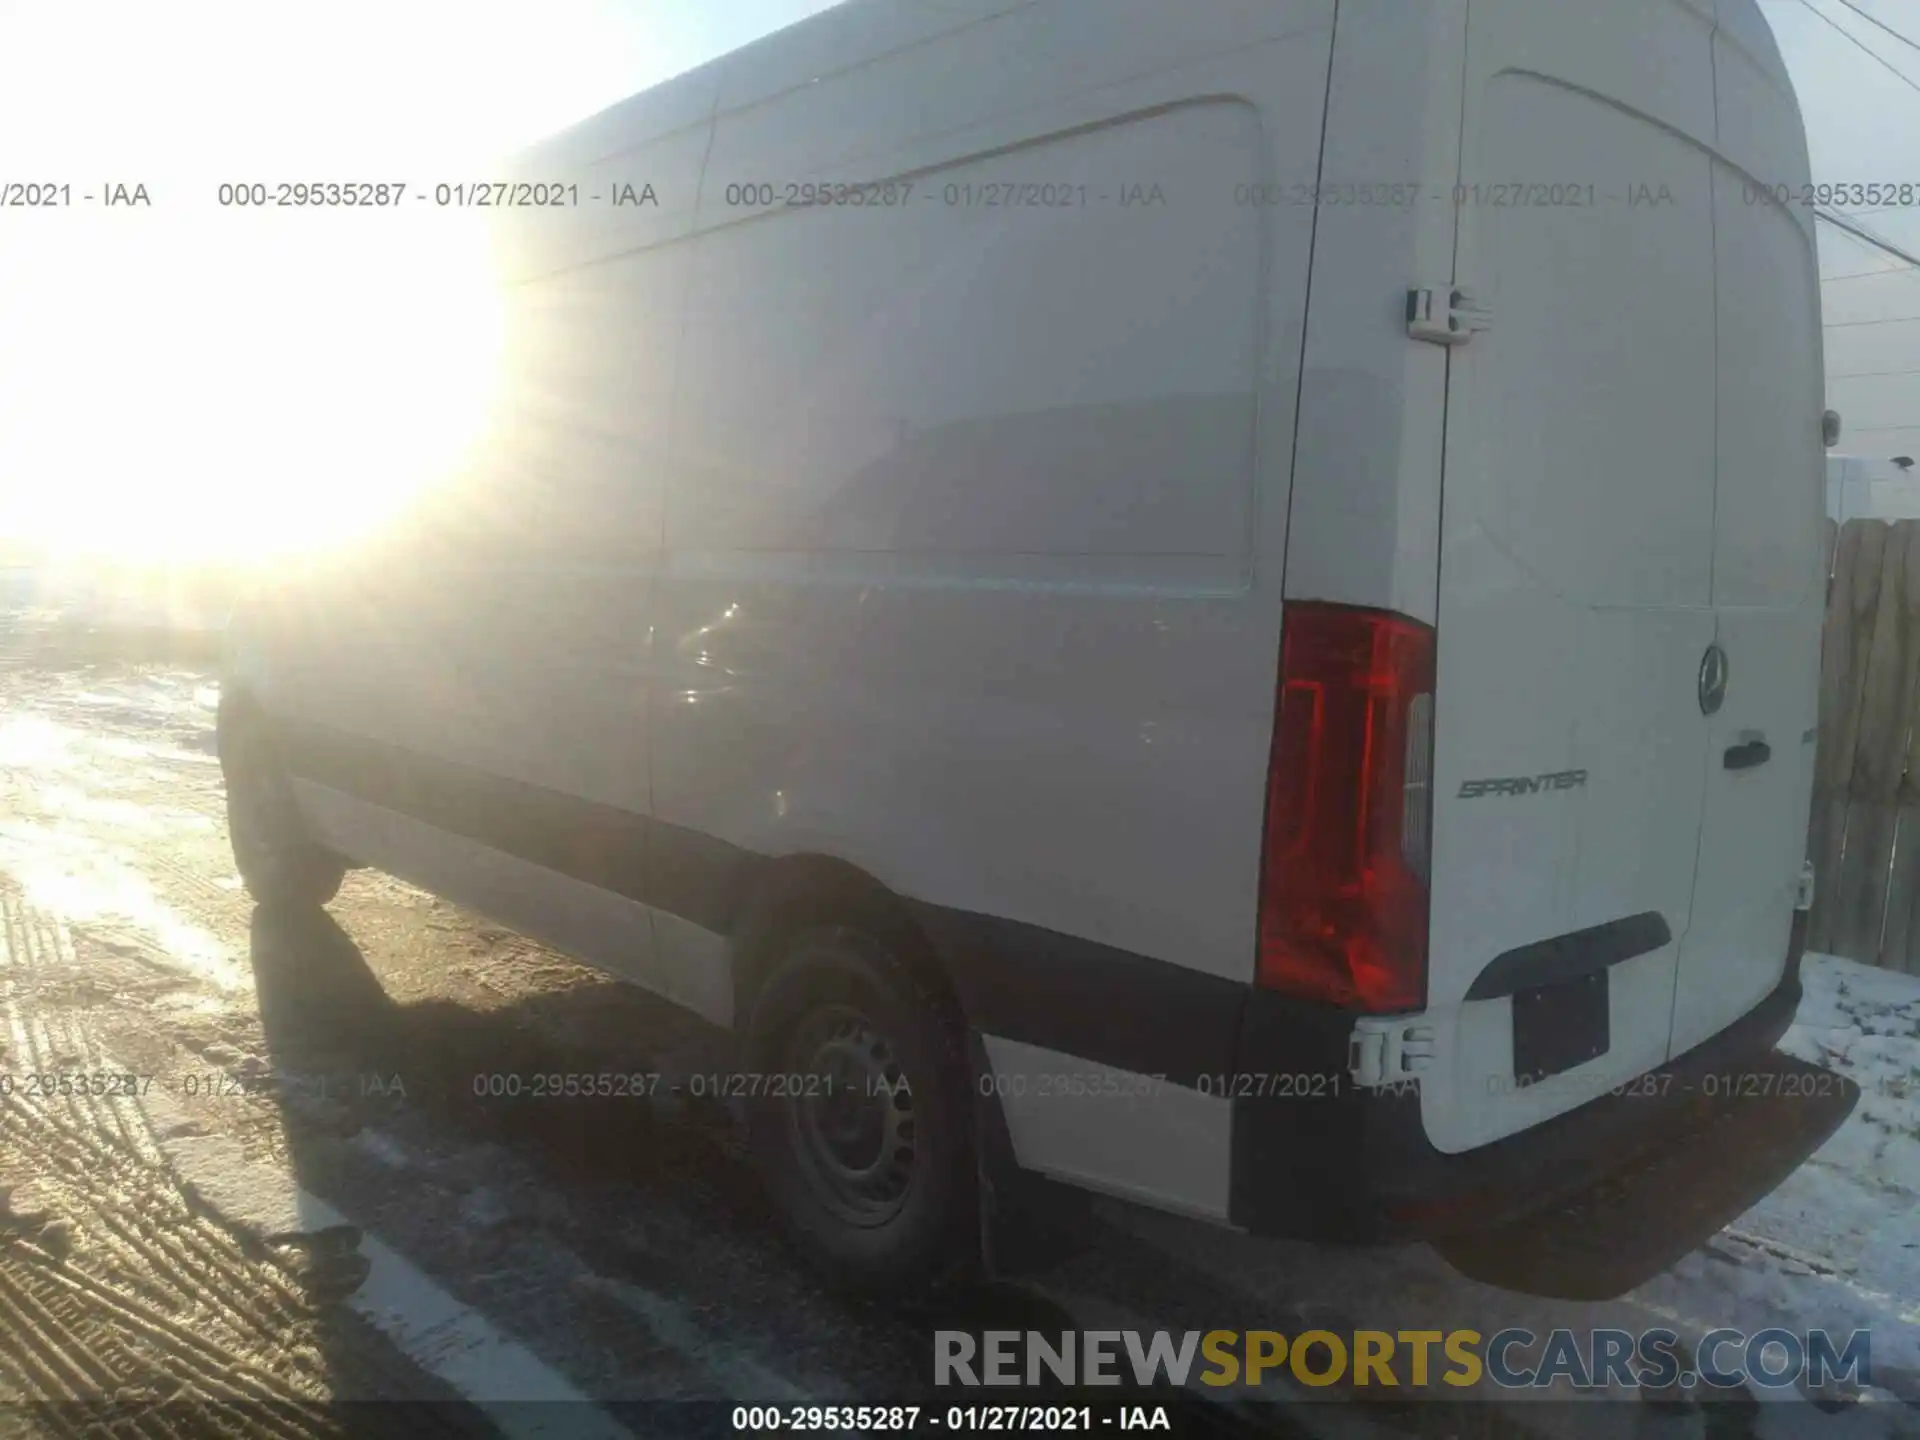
(1356, 1165)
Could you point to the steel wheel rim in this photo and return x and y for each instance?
(850, 1116)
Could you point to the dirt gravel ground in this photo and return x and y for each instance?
(356, 1052)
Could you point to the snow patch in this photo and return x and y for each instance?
(1837, 1246)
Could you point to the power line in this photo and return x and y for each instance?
(1855, 40)
(1875, 20)
(1866, 275)
(1860, 232)
(1859, 324)
(1872, 374)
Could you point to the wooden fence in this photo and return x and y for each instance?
(1864, 835)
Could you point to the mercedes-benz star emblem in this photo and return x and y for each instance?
(1713, 679)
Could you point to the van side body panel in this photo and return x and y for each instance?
(944, 539)
(972, 575)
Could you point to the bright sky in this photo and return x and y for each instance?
(1863, 124)
(183, 379)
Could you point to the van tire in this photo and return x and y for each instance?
(277, 859)
(839, 1006)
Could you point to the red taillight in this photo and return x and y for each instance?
(1343, 887)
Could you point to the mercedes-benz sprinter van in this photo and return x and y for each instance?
(1215, 601)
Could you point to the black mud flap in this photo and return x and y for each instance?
(1736, 1145)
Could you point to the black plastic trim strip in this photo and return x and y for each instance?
(1568, 957)
(1088, 1000)
(1023, 982)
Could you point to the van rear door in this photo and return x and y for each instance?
(1768, 591)
(1578, 543)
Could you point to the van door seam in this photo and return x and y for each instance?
(1306, 309)
(1713, 551)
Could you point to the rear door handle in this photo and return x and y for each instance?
(1745, 757)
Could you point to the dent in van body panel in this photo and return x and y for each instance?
(945, 695)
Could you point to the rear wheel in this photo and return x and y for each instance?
(860, 1120)
(276, 857)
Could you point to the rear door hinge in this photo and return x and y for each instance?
(1446, 316)
(1387, 1051)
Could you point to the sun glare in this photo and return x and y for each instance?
(183, 380)
(221, 395)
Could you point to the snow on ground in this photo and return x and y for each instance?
(1838, 1244)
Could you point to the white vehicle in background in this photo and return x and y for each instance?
(1864, 488)
(1224, 589)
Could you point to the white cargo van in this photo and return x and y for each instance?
(1228, 590)
(1861, 487)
